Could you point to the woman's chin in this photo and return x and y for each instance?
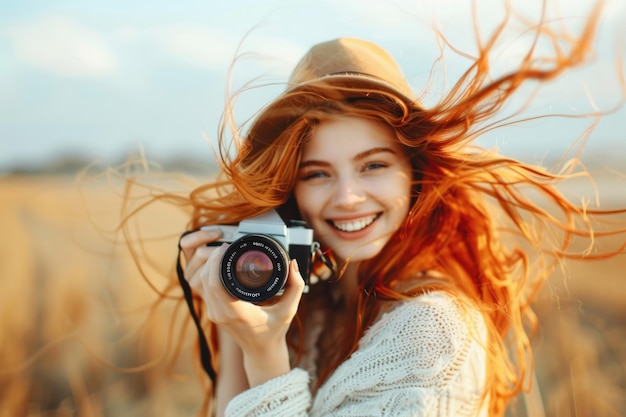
(349, 253)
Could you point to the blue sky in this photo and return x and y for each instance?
(100, 79)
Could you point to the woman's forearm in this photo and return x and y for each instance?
(232, 377)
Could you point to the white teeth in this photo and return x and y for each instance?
(355, 225)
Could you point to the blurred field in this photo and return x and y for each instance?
(77, 337)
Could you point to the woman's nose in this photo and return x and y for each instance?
(348, 193)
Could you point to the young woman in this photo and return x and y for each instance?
(433, 250)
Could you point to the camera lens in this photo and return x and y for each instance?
(254, 269)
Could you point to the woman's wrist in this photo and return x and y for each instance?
(270, 363)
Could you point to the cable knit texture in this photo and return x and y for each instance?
(425, 357)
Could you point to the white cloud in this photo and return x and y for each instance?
(63, 46)
(128, 34)
(196, 45)
(206, 48)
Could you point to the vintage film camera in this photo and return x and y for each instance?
(256, 264)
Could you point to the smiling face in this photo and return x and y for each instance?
(354, 186)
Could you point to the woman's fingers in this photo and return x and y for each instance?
(288, 303)
(211, 269)
(213, 290)
(190, 242)
(193, 246)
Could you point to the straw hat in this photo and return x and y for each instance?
(356, 65)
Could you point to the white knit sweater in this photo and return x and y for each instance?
(425, 357)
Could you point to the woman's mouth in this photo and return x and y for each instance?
(354, 225)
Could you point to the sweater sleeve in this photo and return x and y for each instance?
(286, 395)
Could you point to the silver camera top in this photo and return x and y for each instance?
(269, 224)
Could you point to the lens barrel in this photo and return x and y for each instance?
(254, 268)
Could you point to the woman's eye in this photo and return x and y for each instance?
(370, 166)
(313, 175)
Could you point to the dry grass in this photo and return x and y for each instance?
(75, 317)
(75, 313)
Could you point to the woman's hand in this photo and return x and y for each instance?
(259, 330)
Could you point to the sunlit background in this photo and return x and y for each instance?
(97, 80)
(94, 83)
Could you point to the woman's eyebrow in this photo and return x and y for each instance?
(369, 152)
(313, 162)
(357, 157)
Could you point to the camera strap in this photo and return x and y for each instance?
(205, 352)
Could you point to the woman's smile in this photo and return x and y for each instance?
(354, 225)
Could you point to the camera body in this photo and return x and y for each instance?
(255, 265)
